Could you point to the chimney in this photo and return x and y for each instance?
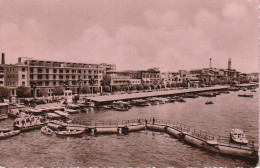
(3, 58)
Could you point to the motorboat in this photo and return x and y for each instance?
(208, 102)
(61, 113)
(121, 105)
(208, 94)
(238, 136)
(253, 90)
(13, 113)
(46, 130)
(245, 95)
(180, 99)
(8, 134)
(171, 99)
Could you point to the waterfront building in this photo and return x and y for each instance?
(50, 74)
(123, 78)
(150, 76)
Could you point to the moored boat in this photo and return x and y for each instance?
(238, 136)
(69, 132)
(245, 95)
(140, 102)
(187, 95)
(9, 134)
(208, 94)
(46, 130)
(71, 111)
(3, 116)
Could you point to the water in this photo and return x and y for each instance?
(139, 149)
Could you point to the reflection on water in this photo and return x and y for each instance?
(145, 148)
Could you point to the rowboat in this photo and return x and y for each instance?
(208, 102)
(69, 132)
(245, 95)
(46, 130)
(9, 134)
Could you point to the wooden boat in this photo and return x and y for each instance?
(253, 90)
(46, 130)
(190, 96)
(69, 132)
(53, 116)
(180, 99)
(171, 99)
(208, 94)
(238, 136)
(35, 111)
(61, 113)
(9, 134)
(233, 89)
(245, 95)
(140, 102)
(73, 106)
(71, 111)
(13, 113)
(4, 130)
(226, 92)
(3, 116)
(208, 102)
(89, 104)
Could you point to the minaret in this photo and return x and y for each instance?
(229, 64)
(210, 63)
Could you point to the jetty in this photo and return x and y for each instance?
(111, 98)
(194, 137)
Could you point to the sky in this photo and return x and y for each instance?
(133, 34)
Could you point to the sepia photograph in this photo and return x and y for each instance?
(129, 83)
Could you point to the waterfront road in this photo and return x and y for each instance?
(110, 98)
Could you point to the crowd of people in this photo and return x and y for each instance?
(29, 120)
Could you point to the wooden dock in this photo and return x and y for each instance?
(110, 98)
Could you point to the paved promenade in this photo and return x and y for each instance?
(110, 98)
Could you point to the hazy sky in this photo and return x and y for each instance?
(133, 34)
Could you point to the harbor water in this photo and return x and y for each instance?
(144, 148)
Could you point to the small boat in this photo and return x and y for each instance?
(140, 102)
(71, 111)
(4, 129)
(208, 102)
(253, 90)
(3, 116)
(238, 136)
(208, 94)
(13, 113)
(61, 113)
(121, 105)
(245, 95)
(53, 116)
(69, 132)
(233, 89)
(46, 130)
(190, 95)
(180, 99)
(89, 104)
(171, 99)
(226, 92)
(9, 134)
(121, 108)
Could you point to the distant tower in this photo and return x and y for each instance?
(210, 63)
(229, 63)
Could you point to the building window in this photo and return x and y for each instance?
(54, 70)
(61, 71)
(39, 83)
(23, 83)
(47, 83)
(39, 76)
(23, 76)
(67, 77)
(47, 70)
(60, 77)
(39, 70)
(54, 83)
(67, 71)
(54, 76)
(31, 76)
(23, 69)
(73, 77)
(47, 76)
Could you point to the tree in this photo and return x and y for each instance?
(106, 89)
(139, 87)
(58, 91)
(152, 86)
(168, 85)
(42, 92)
(74, 90)
(86, 89)
(4, 93)
(116, 88)
(125, 88)
(23, 92)
(33, 85)
(173, 85)
(106, 80)
(158, 87)
(92, 82)
(96, 90)
(133, 87)
(146, 86)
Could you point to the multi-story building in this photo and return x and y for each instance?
(150, 76)
(123, 78)
(50, 74)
